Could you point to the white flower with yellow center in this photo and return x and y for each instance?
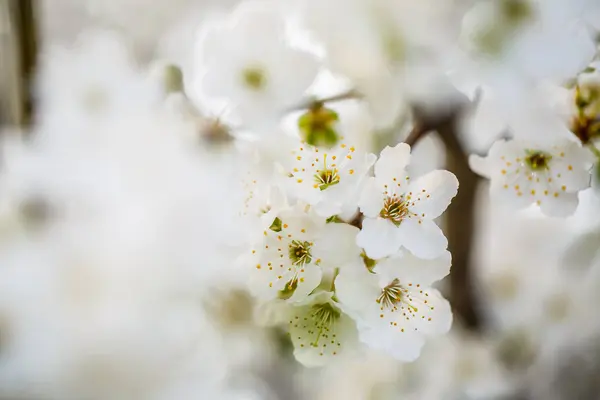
(296, 249)
(328, 179)
(399, 212)
(393, 303)
(247, 61)
(523, 173)
(320, 331)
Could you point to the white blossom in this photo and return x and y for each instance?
(247, 61)
(524, 173)
(289, 262)
(328, 179)
(320, 331)
(394, 304)
(400, 212)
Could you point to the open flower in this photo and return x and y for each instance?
(523, 173)
(247, 61)
(394, 305)
(329, 179)
(400, 212)
(289, 262)
(320, 331)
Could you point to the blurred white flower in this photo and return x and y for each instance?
(515, 41)
(387, 49)
(549, 175)
(246, 61)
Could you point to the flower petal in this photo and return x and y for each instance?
(378, 237)
(371, 199)
(422, 237)
(404, 346)
(563, 205)
(336, 245)
(392, 162)
(408, 268)
(432, 193)
(317, 342)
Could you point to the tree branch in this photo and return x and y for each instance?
(460, 217)
(306, 104)
(18, 51)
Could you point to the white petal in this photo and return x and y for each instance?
(378, 237)
(336, 245)
(371, 199)
(356, 288)
(392, 162)
(479, 165)
(404, 346)
(432, 193)
(564, 205)
(408, 268)
(316, 344)
(326, 208)
(309, 277)
(571, 168)
(422, 237)
(514, 194)
(431, 313)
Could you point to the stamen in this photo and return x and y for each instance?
(390, 295)
(537, 160)
(299, 252)
(394, 209)
(327, 176)
(324, 316)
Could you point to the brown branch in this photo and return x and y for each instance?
(18, 51)
(416, 134)
(460, 217)
(351, 94)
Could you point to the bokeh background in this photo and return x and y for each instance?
(525, 288)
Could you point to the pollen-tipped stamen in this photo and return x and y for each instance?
(299, 252)
(537, 160)
(393, 294)
(327, 178)
(394, 209)
(324, 315)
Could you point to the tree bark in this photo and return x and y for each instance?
(18, 53)
(460, 216)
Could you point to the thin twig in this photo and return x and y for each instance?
(306, 104)
(416, 134)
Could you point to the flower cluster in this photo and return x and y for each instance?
(547, 170)
(341, 283)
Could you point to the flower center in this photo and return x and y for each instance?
(324, 316)
(393, 294)
(299, 252)
(394, 209)
(537, 160)
(327, 178)
(390, 295)
(254, 78)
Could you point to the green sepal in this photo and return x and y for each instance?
(317, 126)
